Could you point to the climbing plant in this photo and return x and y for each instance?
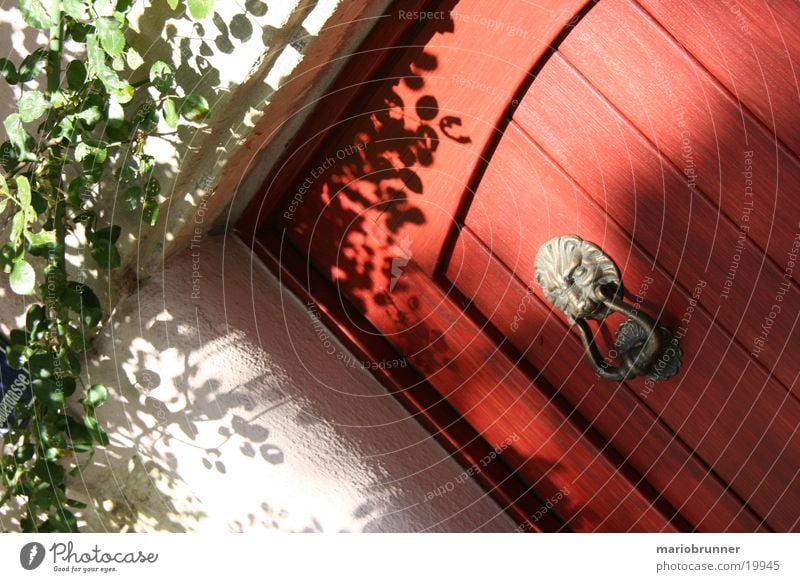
(77, 137)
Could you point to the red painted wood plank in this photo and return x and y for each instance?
(751, 46)
(743, 423)
(676, 225)
(631, 427)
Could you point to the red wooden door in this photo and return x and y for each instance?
(663, 131)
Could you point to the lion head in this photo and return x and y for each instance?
(572, 272)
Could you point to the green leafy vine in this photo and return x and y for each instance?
(80, 125)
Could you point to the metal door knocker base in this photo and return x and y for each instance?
(584, 283)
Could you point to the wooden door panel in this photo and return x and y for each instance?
(683, 110)
(727, 408)
(634, 430)
(519, 205)
(751, 46)
(680, 229)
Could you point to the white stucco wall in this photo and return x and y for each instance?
(229, 413)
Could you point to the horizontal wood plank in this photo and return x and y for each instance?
(752, 47)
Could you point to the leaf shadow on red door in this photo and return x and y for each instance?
(357, 213)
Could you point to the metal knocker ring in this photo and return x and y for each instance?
(584, 283)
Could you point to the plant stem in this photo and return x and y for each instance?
(54, 53)
(56, 262)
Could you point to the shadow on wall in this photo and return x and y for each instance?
(171, 405)
(360, 206)
(208, 430)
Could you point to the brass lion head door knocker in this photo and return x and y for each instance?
(584, 283)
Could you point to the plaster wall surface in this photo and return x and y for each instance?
(233, 409)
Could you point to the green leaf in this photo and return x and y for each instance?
(80, 440)
(97, 64)
(44, 239)
(41, 365)
(76, 75)
(32, 105)
(173, 4)
(82, 151)
(32, 66)
(35, 14)
(23, 191)
(77, 192)
(161, 76)
(77, 9)
(103, 247)
(58, 99)
(49, 473)
(22, 278)
(75, 338)
(16, 133)
(17, 337)
(9, 71)
(170, 113)
(195, 107)
(199, 9)
(119, 130)
(96, 395)
(82, 300)
(47, 390)
(24, 452)
(92, 111)
(34, 319)
(146, 164)
(132, 198)
(124, 92)
(96, 430)
(153, 189)
(63, 521)
(78, 30)
(150, 210)
(17, 356)
(104, 7)
(4, 186)
(133, 58)
(125, 174)
(145, 117)
(17, 227)
(111, 38)
(90, 156)
(115, 110)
